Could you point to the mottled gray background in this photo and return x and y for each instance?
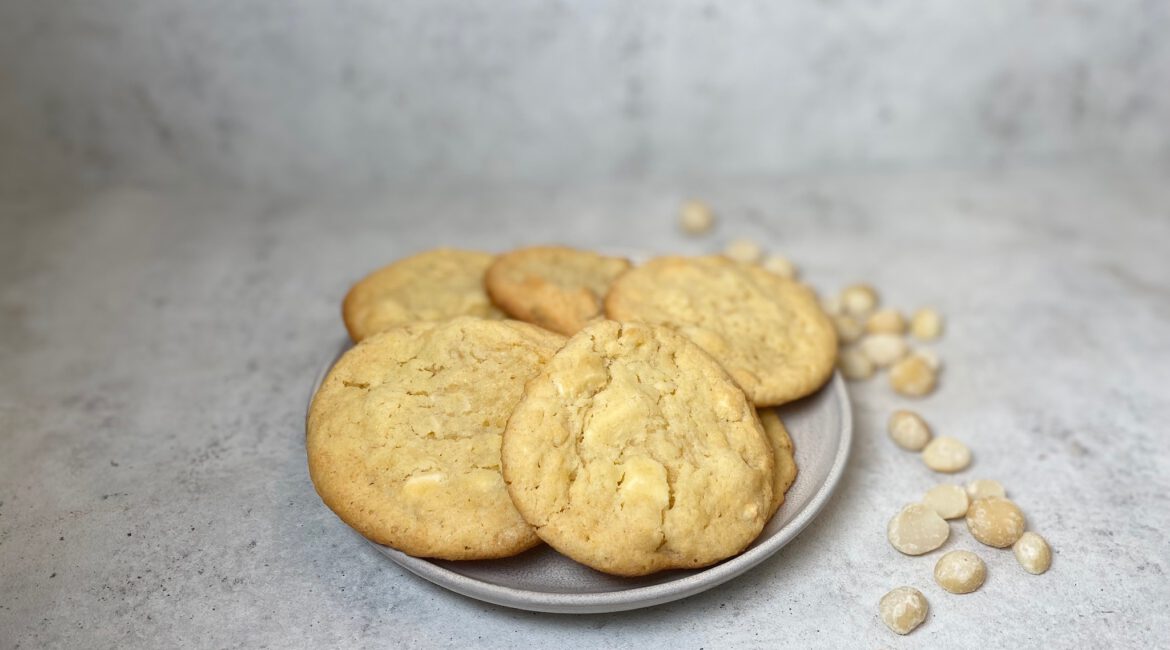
(289, 94)
(187, 189)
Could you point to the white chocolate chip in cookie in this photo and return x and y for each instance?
(643, 482)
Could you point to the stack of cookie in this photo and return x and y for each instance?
(621, 417)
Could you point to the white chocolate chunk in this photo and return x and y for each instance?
(421, 485)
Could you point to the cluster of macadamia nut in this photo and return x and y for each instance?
(920, 528)
(874, 338)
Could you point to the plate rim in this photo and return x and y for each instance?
(637, 597)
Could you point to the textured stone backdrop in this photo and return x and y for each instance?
(291, 94)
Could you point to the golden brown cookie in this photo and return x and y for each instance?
(556, 287)
(633, 452)
(769, 333)
(430, 286)
(404, 435)
(785, 472)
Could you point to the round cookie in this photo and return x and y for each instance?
(768, 332)
(634, 452)
(556, 287)
(430, 286)
(785, 473)
(403, 437)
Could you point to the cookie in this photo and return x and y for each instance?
(785, 472)
(633, 451)
(556, 287)
(430, 286)
(769, 333)
(403, 436)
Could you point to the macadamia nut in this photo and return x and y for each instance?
(903, 609)
(908, 430)
(848, 329)
(930, 357)
(949, 501)
(917, 529)
(859, 300)
(946, 454)
(1033, 553)
(995, 521)
(781, 266)
(743, 250)
(912, 377)
(960, 572)
(926, 324)
(886, 321)
(695, 217)
(884, 349)
(854, 365)
(985, 487)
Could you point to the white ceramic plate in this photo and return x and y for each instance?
(543, 580)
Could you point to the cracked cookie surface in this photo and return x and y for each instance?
(785, 472)
(556, 287)
(634, 452)
(769, 333)
(430, 286)
(403, 437)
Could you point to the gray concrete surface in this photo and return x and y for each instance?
(157, 349)
(284, 93)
